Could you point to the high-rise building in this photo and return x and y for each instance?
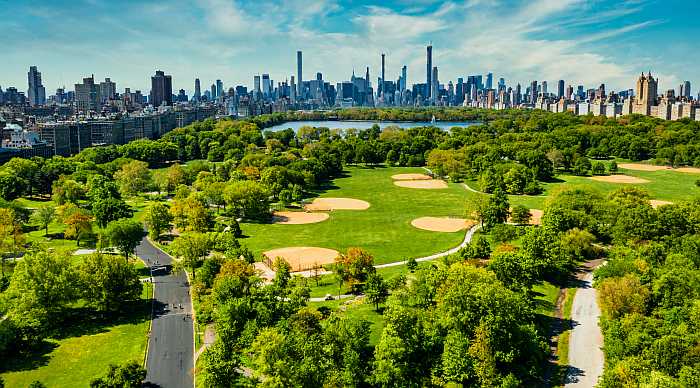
(86, 95)
(403, 79)
(434, 84)
(108, 90)
(381, 87)
(299, 78)
(429, 69)
(266, 86)
(489, 81)
(685, 90)
(647, 94)
(533, 92)
(161, 89)
(569, 92)
(197, 90)
(212, 94)
(36, 94)
(560, 89)
(219, 88)
(544, 88)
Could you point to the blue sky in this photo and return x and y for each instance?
(582, 42)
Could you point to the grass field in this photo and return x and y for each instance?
(384, 229)
(84, 350)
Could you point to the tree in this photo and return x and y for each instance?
(78, 225)
(191, 248)
(127, 375)
(497, 209)
(66, 190)
(355, 265)
(612, 167)
(109, 209)
(598, 168)
(248, 199)
(133, 177)
(625, 295)
(376, 290)
(582, 166)
(10, 234)
(411, 264)
(521, 215)
(125, 235)
(44, 216)
(158, 219)
(108, 282)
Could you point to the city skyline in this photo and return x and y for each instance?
(555, 45)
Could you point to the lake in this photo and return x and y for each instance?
(347, 124)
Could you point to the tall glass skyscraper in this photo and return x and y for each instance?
(429, 69)
(299, 79)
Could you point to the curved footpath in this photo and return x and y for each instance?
(586, 357)
(467, 238)
(170, 359)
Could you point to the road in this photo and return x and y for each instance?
(586, 340)
(170, 361)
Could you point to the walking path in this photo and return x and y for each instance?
(170, 359)
(586, 357)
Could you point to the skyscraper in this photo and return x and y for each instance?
(489, 81)
(299, 79)
(197, 90)
(36, 92)
(381, 87)
(647, 93)
(429, 69)
(560, 89)
(108, 90)
(219, 88)
(161, 89)
(533, 92)
(213, 92)
(435, 84)
(86, 95)
(544, 88)
(403, 79)
(266, 86)
(256, 84)
(686, 90)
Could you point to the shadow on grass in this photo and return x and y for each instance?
(76, 322)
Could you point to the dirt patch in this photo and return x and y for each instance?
(442, 224)
(265, 272)
(303, 258)
(619, 179)
(410, 177)
(328, 204)
(535, 216)
(422, 184)
(298, 218)
(690, 170)
(642, 167)
(657, 202)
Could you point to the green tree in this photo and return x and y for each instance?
(106, 210)
(133, 177)
(248, 199)
(376, 290)
(108, 282)
(158, 219)
(78, 225)
(521, 215)
(497, 209)
(598, 168)
(125, 235)
(44, 216)
(127, 375)
(191, 249)
(411, 264)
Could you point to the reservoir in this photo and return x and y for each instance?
(348, 124)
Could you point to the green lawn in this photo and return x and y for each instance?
(384, 229)
(357, 309)
(84, 351)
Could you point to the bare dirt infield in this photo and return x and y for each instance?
(328, 204)
(657, 202)
(618, 179)
(690, 170)
(642, 167)
(442, 224)
(410, 177)
(303, 258)
(298, 218)
(422, 184)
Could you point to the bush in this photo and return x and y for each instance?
(504, 233)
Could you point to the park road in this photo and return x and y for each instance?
(170, 359)
(586, 357)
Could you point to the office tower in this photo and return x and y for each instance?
(299, 79)
(684, 90)
(86, 95)
(544, 88)
(161, 89)
(560, 90)
(219, 88)
(256, 84)
(429, 69)
(197, 90)
(403, 78)
(518, 95)
(647, 90)
(489, 81)
(292, 89)
(60, 95)
(108, 90)
(533, 92)
(266, 85)
(212, 93)
(181, 96)
(36, 92)
(569, 92)
(435, 84)
(381, 87)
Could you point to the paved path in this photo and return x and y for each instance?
(170, 361)
(585, 354)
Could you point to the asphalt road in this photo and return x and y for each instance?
(170, 361)
(585, 354)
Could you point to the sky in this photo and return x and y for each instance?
(585, 42)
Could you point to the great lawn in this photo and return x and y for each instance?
(85, 347)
